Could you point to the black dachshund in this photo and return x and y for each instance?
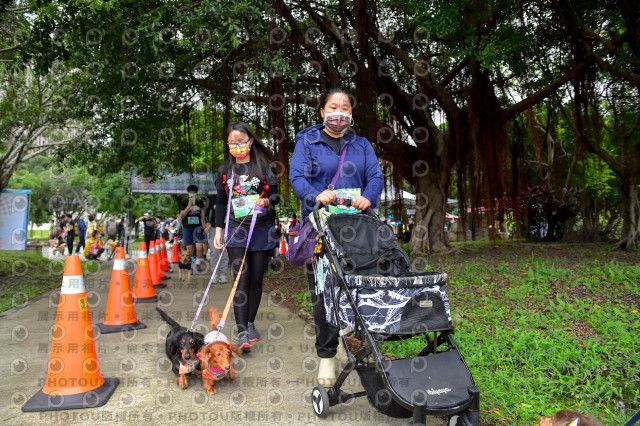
(182, 347)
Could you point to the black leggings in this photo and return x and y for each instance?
(249, 292)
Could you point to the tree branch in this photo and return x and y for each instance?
(608, 158)
(617, 71)
(298, 37)
(454, 72)
(15, 10)
(193, 5)
(7, 49)
(531, 100)
(49, 145)
(434, 89)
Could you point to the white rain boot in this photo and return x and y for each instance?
(341, 355)
(327, 372)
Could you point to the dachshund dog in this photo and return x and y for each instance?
(184, 266)
(182, 347)
(569, 418)
(216, 357)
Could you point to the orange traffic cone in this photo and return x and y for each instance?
(283, 246)
(160, 258)
(73, 374)
(167, 266)
(153, 263)
(164, 264)
(175, 251)
(120, 315)
(142, 285)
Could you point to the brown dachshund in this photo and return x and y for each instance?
(216, 358)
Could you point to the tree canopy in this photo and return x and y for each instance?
(482, 99)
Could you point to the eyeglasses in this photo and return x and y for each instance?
(233, 144)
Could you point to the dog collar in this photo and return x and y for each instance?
(213, 373)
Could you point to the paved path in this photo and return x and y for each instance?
(272, 387)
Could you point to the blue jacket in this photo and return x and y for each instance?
(314, 163)
(82, 228)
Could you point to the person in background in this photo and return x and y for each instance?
(58, 232)
(293, 222)
(158, 219)
(122, 225)
(71, 234)
(111, 228)
(92, 225)
(63, 226)
(173, 228)
(192, 212)
(313, 164)
(52, 227)
(279, 233)
(96, 246)
(90, 241)
(165, 228)
(215, 253)
(82, 234)
(149, 227)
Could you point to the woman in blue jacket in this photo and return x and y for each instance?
(313, 165)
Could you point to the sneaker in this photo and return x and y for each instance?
(254, 336)
(243, 341)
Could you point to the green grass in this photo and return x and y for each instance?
(41, 235)
(545, 328)
(303, 301)
(24, 275)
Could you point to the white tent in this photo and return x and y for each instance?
(390, 197)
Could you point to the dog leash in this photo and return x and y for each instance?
(224, 247)
(223, 319)
(633, 420)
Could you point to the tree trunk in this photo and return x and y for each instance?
(431, 206)
(630, 214)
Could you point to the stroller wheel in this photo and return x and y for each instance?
(454, 420)
(320, 401)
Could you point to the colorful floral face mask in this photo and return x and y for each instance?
(240, 150)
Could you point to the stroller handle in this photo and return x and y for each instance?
(345, 202)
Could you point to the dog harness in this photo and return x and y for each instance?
(213, 373)
(215, 336)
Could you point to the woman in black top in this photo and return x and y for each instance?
(253, 183)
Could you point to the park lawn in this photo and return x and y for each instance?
(542, 327)
(26, 274)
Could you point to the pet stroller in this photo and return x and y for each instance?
(370, 291)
